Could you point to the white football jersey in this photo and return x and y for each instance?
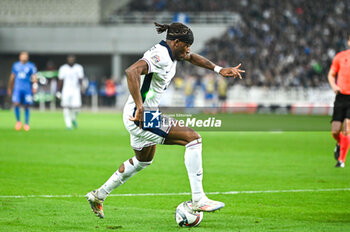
(70, 76)
(161, 70)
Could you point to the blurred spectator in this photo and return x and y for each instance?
(208, 85)
(92, 88)
(181, 17)
(91, 91)
(190, 83)
(108, 91)
(280, 43)
(222, 92)
(111, 91)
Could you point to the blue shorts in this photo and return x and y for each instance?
(24, 97)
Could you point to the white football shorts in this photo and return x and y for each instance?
(71, 99)
(140, 138)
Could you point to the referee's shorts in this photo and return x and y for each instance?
(341, 108)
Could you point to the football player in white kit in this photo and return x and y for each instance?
(70, 75)
(158, 66)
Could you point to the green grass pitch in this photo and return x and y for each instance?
(49, 160)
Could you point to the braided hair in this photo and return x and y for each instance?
(176, 31)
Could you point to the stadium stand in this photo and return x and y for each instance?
(42, 12)
(285, 46)
(288, 43)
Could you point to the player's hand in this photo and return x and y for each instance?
(336, 89)
(58, 95)
(232, 72)
(35, 87)
(9, 92)
(138, 117)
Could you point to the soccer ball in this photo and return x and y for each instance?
(185, 216)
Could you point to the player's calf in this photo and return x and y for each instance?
(193, 163)
(127, 170)
(336, 151)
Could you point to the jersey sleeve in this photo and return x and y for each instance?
(335, 64)
(155, 60)
(61, 73)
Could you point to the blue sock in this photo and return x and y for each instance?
(17, 113)
(26, 114)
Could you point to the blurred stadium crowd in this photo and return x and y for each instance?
(281, 43)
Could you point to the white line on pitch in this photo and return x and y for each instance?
(179, 194)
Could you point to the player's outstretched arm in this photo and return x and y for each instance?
(133, 74)
(203, 62)
(10, 85)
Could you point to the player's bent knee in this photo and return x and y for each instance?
(195, 142)
(139, 165)
(146, 154)
(128, 168)
(193, 136)
(335, 134)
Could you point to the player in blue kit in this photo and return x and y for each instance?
(22, 83)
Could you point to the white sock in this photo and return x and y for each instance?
(118, 178)
(193, 162)
(67, 118)
(74, 113)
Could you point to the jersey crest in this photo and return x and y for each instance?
(155, 59)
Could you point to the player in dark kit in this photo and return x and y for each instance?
(340, 69)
